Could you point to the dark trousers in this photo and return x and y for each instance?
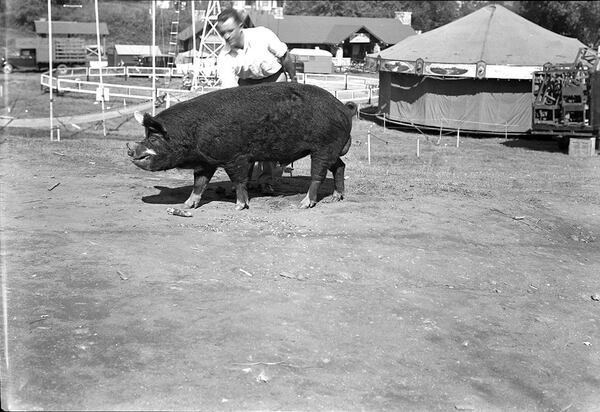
(266, 168)
(269, 79)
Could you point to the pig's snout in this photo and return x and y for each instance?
(139, 151)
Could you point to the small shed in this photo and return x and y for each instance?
(314, 60)
(130, 54)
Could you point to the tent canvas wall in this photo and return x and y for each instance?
(486, 105)
(474, 73)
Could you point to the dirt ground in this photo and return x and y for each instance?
(463, 279)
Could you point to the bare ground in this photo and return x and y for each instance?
(460, 280)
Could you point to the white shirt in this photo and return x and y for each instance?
(258, 59)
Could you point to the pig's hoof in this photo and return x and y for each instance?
(337, 196)
(241, 206)
(306, 203)
(267, 189)
(192, 203)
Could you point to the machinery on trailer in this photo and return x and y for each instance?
(32, 54)
(566, 98)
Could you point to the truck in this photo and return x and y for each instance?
(566, 98)
(32, 54)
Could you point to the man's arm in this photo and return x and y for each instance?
(226, 73)
(288, 66)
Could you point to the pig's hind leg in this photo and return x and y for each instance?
(238, 174)
(202, 176)
(318, 172)
(338, 179)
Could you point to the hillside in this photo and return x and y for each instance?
(128, 22)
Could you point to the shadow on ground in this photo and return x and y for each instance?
(542, 145)
(223, 191)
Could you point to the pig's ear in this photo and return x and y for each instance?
(139, 117)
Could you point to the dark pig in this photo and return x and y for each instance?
(232, 128)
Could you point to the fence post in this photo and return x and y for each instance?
(457, 136)
(369, 145)
(418, 152)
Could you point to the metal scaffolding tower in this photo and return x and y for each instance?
(211, 43)
(173, 46)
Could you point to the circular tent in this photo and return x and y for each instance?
(473, 74)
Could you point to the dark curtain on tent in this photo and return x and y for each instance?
(489, 105)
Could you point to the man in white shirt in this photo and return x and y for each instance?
(250, 56)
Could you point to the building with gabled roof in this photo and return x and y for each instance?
(131, 54)
(83, 30)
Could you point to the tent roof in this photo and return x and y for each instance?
(493, 34)
(331, 29)
(70, 27)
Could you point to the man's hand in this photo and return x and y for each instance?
(288, 66)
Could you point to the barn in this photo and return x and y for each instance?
(473, 74)
(69, 29)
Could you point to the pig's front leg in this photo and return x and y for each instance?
(202, 176)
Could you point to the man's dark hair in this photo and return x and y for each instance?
(227, 13)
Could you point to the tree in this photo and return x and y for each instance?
(426, 15)
(577, 19)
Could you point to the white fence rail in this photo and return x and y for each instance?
(360, 90)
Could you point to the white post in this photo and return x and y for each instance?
(153, 58)
(369, 145)
(194, 61)
(50, 56)
(100, 66)
(169, 94)
(457, 137)
(418, 151)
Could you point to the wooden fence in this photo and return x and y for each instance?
(345, 87)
